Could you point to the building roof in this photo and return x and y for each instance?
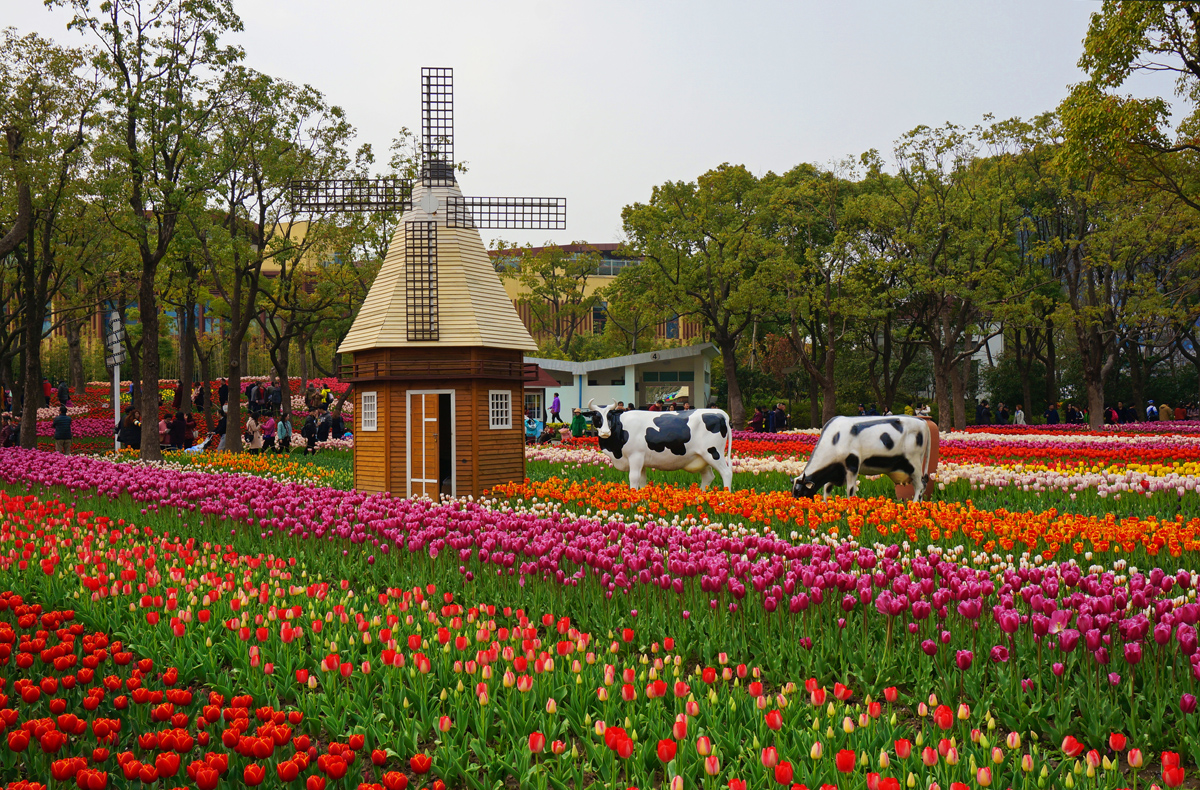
(473, 308)
(610, 249)
(662, 355)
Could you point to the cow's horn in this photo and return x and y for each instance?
(591, 404)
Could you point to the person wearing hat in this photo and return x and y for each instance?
(577, 423)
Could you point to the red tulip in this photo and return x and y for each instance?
(712, 766)
(943, 717)
(783, 773)
(774, 720)
(420, 763)
(287, 771)
(1116, 742)
(667, 750)
(394, 780)
(314, 782)
(1172, 775)
(537, 742)
(254, 774)
(845, 760)
(769, 757)
(891, 694)
(1072, 747)
(738, 784)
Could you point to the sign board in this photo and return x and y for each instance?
(115, 341)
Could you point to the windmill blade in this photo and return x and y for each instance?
(421, 280)
(350, 194)
(509, 213)
(437, 127)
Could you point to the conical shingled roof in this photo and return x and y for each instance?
(473, 309)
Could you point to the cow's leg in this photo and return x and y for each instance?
(825, 491)
(706, 477)
(920, 483)
(637, 477)
(851, 483)
(725, 467)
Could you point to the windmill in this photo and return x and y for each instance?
(438, 348)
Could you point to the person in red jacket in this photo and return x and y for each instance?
(47, 390)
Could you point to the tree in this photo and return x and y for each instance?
(948, 222)
(555, 291)
(270, 132)
(631, 316)
(815, 269)
(49, 102)
(1130, 137)
(705, 256)
(162, 61)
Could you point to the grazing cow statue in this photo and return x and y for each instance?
(849, 446)
(698, 440)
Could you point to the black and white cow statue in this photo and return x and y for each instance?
(849, 446)
(698, 440)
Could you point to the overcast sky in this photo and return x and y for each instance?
(598, 102)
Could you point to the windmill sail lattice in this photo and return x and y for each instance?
(431, 205)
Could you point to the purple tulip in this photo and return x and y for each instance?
(930, 647)
(1114, 679)
(1133, 653)
(1187, 704)
(963, 659)
(1057, 669)
(999, 654)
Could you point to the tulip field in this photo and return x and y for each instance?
(225, 621)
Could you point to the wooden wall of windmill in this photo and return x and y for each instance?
(437, 347)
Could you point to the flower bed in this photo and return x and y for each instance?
(315, 678)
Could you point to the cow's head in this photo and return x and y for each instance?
(600, 419)
(804, 487)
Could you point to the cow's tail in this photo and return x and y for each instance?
(729, 442)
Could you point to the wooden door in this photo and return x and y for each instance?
(424, 477)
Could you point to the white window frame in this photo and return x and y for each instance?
(500, 422)
(370, 411)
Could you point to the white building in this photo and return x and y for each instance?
(636, 379)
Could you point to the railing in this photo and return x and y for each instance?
(426, 369)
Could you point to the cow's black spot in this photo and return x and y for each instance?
(837, 436)
(883, 464)
(886, 440)
(833, 475)
(715, 453)
(618, 437)
(669, 432)
(715, 423)
(862, 425)
(920, 438)
(852, 462)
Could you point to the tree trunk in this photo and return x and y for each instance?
(814, 406)
(941, 393)
(148, 307)
(1051, 365)
(737, 411)
(282, 357)
(243, 355)
(205, 384)
(77, 377)
(187, 360)
(299, 339)
(35, 317)
(1137, 377)
(958, 394)
(829, 387)
(337, 405)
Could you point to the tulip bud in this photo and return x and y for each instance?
(817, 750)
